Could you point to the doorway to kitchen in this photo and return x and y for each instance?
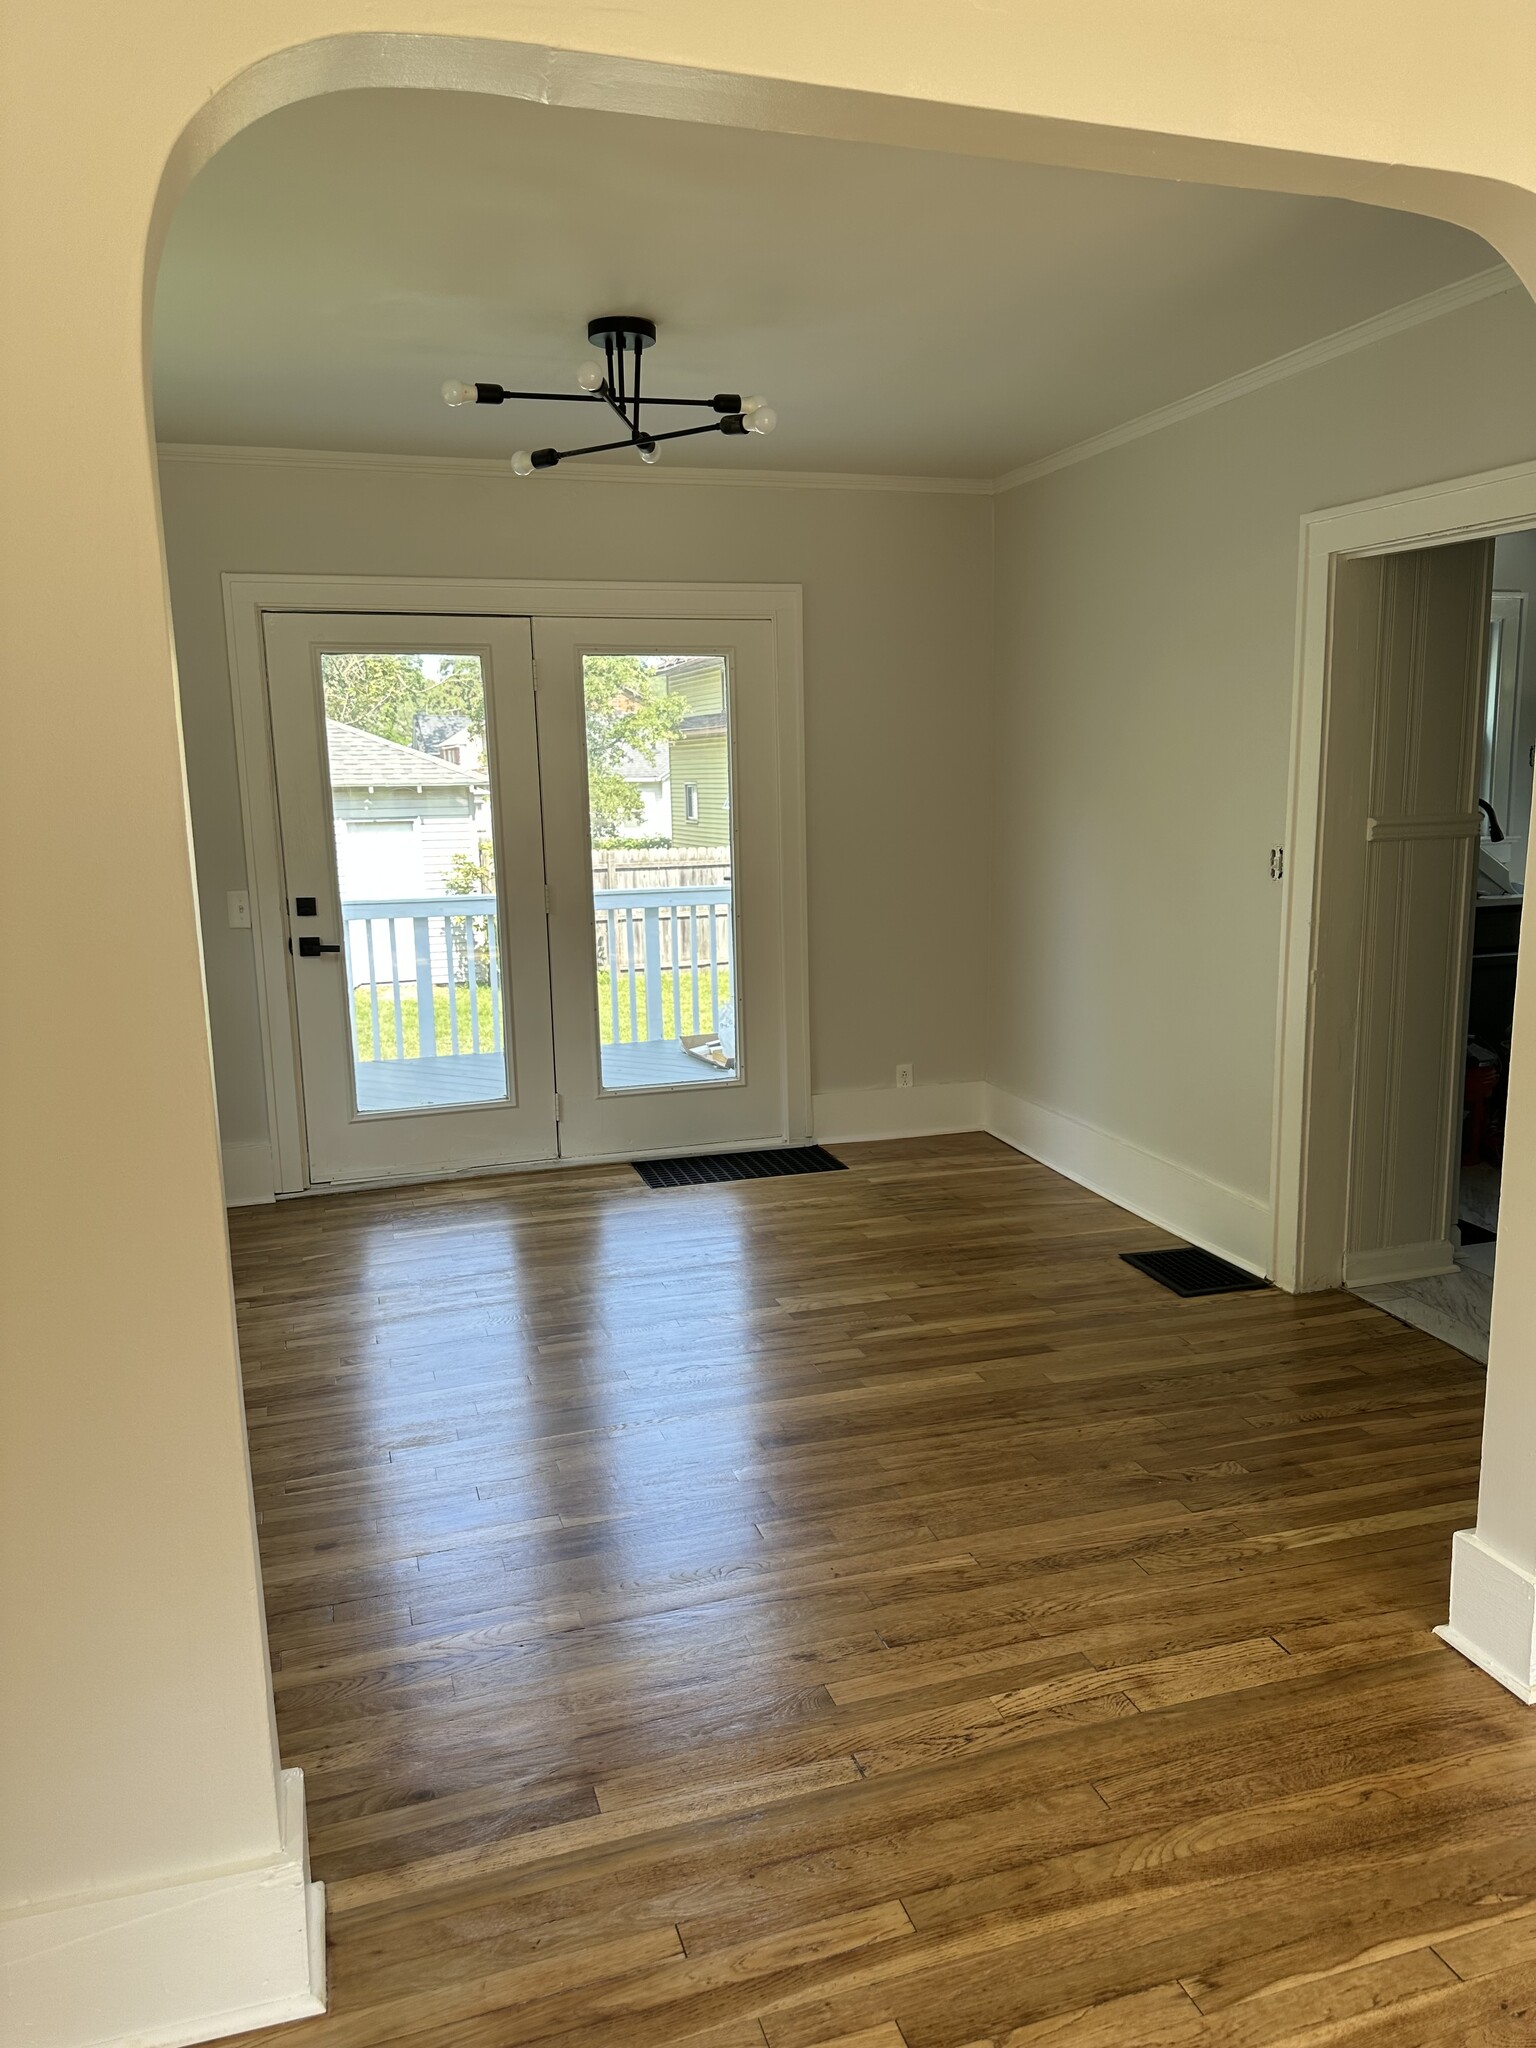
(1415, 726)
(1455, 1301)
(528, 884)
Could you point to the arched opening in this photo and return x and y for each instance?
(1034, 517)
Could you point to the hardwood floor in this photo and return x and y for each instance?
(860, 1610)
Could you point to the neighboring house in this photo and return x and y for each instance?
(463, 749)
(400, 815)
(700, 755)
(466, 749)
(651, 777)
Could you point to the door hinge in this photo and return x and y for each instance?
(1277, 863)
(559, 1105)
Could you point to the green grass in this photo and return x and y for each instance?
(689, 1026)
(410, 1023)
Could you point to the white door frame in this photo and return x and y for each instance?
(247, 597)
(1308, 1240)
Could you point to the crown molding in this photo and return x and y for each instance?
(1450, 298)
(587, 473)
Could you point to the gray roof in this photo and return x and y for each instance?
(361, 760)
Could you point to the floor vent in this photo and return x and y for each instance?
(714, 1166)
(1188, 1270)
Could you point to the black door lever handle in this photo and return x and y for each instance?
(311, 949)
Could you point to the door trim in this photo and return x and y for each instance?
(248, 596)
(1308, 1246)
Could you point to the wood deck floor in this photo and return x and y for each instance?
(394, 1085)
(860, 1609)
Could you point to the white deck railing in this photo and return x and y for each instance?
(410, 947)
(645, 936)
(420, 944)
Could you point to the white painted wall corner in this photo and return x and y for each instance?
(921, 1112)
(1493, 1614)
(248, 1176)
(1203, 1211)
(181, 1963)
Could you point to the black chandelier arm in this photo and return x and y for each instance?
(497, 394)
(686, 433)
(723, 401)
(565, 454)
(546, 458)
(493, 394)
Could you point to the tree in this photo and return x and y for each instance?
(630, 715)
(477, 877)
(386, 693)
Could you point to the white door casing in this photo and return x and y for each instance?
(1330, 766)
(444, 605)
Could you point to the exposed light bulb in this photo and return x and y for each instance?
(651, 454)
(522, 463)
(590, 377)
(761, 420)
(753, 404)
(455, 393)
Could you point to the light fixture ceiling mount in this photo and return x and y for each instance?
(615, 382)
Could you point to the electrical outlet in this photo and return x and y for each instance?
(904, 1077)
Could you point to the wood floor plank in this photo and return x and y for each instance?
(899, 1625)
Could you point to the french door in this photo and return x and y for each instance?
(533, 887)
(665, 929)
(406, 759)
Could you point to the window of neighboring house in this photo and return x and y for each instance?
(691, 802)
(452, 754)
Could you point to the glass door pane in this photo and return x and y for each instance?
(659, 785)
(411, 813)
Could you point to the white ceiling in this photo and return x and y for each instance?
(907, 312)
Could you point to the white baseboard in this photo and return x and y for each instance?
(187, 1962)
(923, 1112)
(1493, 1614)
(248, 1174)
(1202, 1211)
(1399, 1262)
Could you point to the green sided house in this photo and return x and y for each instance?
(700, 765)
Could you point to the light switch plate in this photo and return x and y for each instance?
(239, 904)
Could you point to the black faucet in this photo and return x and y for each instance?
(1495, 829)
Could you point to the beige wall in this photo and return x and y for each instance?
(1146, 648)
(133, 1724)
(897, 696)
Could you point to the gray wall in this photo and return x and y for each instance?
(898, 666)
(1111, 951)
(1146, 640)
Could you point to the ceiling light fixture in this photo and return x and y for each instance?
(615, 382)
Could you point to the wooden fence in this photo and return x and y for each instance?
(661, 867)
